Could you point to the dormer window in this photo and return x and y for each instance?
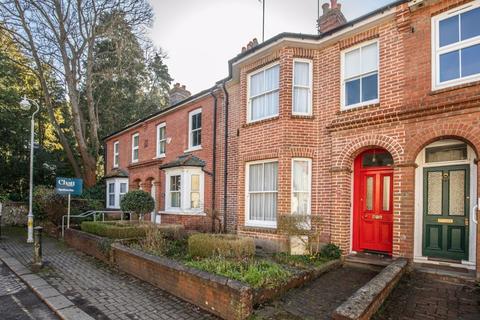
(456, 46)
(263, 93)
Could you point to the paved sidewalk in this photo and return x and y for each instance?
(419, 297)
(318, 299)
(17, 302)
(100, 291)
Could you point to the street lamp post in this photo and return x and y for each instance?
(26, 105)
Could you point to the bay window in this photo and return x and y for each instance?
(116, 190)
(261, 194)
(302, 87)
(184, 187)
(301, 185)
(456, 46)
(360, 75)
(263, 96)
(135, 147)
(161, 140)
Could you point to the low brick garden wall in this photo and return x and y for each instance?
(226, 298)
(90, 244)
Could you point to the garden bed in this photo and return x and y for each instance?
(226, 285)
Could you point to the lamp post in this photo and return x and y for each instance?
(26, 105)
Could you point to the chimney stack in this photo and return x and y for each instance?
(331, 18)
(178, 93)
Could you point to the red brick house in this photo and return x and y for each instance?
(371, 126)
(170, 155)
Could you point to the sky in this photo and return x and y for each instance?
(200, 37)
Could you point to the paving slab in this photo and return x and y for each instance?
(96, 289)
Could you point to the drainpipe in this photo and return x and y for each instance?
(214, 153)
(225, 154)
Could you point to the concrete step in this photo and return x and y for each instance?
(366, 259)
(446, 273)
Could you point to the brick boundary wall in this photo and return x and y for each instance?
(88, 243)
(228, 299)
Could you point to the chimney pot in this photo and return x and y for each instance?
(333, 4)
(331, 18)
(325, 7)
(178, 93)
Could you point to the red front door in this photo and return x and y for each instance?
(373, 202)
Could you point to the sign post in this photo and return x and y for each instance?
(69, 186)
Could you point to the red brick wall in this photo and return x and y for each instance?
(147, 170)
(408, 117)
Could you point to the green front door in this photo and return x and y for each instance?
(446, 192)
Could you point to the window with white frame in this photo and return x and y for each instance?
(116, 154)
(302, 87)
(184, 187)
(301, 185)
(135, 146)
(161, 140)
(116, 189)
(360, 75)
(195, 129)
(261, 194)
(456, 46)
(111, 194)
(263, 88)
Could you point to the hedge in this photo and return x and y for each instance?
(113, 230)
(203, 245)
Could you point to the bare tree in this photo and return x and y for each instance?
(59, 37)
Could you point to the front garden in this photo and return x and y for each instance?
(218, 272)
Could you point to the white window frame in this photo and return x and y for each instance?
(258, 223)
(116, 154)
(135, 147)
(249, 98)
(159, 141)
(309, 191)
(310, 95)
(437, 51)
(117, 195)
(344, 106)
(185, 174)
(190, 132)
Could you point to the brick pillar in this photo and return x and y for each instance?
(404, 210)
(341, 208)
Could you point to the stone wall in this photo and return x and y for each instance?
(14, 214)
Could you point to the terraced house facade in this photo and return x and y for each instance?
(371, 127)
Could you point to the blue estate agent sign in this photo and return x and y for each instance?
(70, 186)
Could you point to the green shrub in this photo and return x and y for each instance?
(204, 245)
(256, 273)
(114, 230)
(331, 251)
(49, 205)
(138, 202)
(172, 231)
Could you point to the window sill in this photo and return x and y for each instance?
(453, 87)
(344, 110)
(184, 213)
(257, 122)
(302, 116)
(257, 225)
(197, 148)
(159, 157)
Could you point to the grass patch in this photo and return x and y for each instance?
(302, 261)
(257, 273)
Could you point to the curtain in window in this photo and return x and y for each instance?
(301, 91)
(264, 93)
(263, 191)
(301, 194)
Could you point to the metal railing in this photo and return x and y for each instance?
(92, 213)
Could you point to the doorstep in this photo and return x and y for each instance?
(446, 273)
(371, 260)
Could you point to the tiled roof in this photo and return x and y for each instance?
(186, 160)
(117, 173)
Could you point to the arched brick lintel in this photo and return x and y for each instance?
(360, 144)
(441, 131)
